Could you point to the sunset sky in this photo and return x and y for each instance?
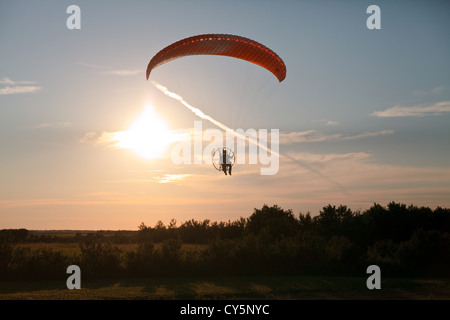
(86, 140)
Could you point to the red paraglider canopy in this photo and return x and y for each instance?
(224, 45)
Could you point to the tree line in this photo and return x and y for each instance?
(403, 240)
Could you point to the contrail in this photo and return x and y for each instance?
(202, 115)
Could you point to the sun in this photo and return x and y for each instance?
(148, 136)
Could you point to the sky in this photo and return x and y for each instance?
(87, 143)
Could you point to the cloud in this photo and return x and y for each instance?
(95, 66)
(17, 87)
(318, 136)
(357, 169)
(18, 90)
(119, 72)
(304, 136)
(124, 72)
(367, 134)
(101, 139)
(363, 180)
(315, 158)
(434, 91)
(438, 90)
(173, 177)
(6, 81)
(293, 187)
(331, 123)
(53, 125)
(435, 109)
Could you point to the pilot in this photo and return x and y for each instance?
(227, 161)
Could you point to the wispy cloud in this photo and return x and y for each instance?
(173, 177)
(367, 134)
(165, 178)
(329, 157)
(434, 91)
(95, 66)
(110, 71)
(101, 139)
(123, 72)
(331, 123)
(303, 136)
(18, 90)
(318, 136)
(8, 86)
(53, 125)
(326, 122)
(365, 180)
(8, 81)
(438, 90)
(437, 108)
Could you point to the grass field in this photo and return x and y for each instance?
(73, 248)
(215, 288)
(224, 288)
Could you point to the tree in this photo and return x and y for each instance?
(272, 221)
(333, 221)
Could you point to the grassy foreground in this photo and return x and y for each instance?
(316, 288)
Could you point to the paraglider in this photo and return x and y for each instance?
(224, 45)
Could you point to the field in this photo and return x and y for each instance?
(270, 256)
(229, 288)
(199, 288)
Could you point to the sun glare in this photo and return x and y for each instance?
(148, 136)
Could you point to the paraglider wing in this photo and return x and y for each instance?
(224, 45)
